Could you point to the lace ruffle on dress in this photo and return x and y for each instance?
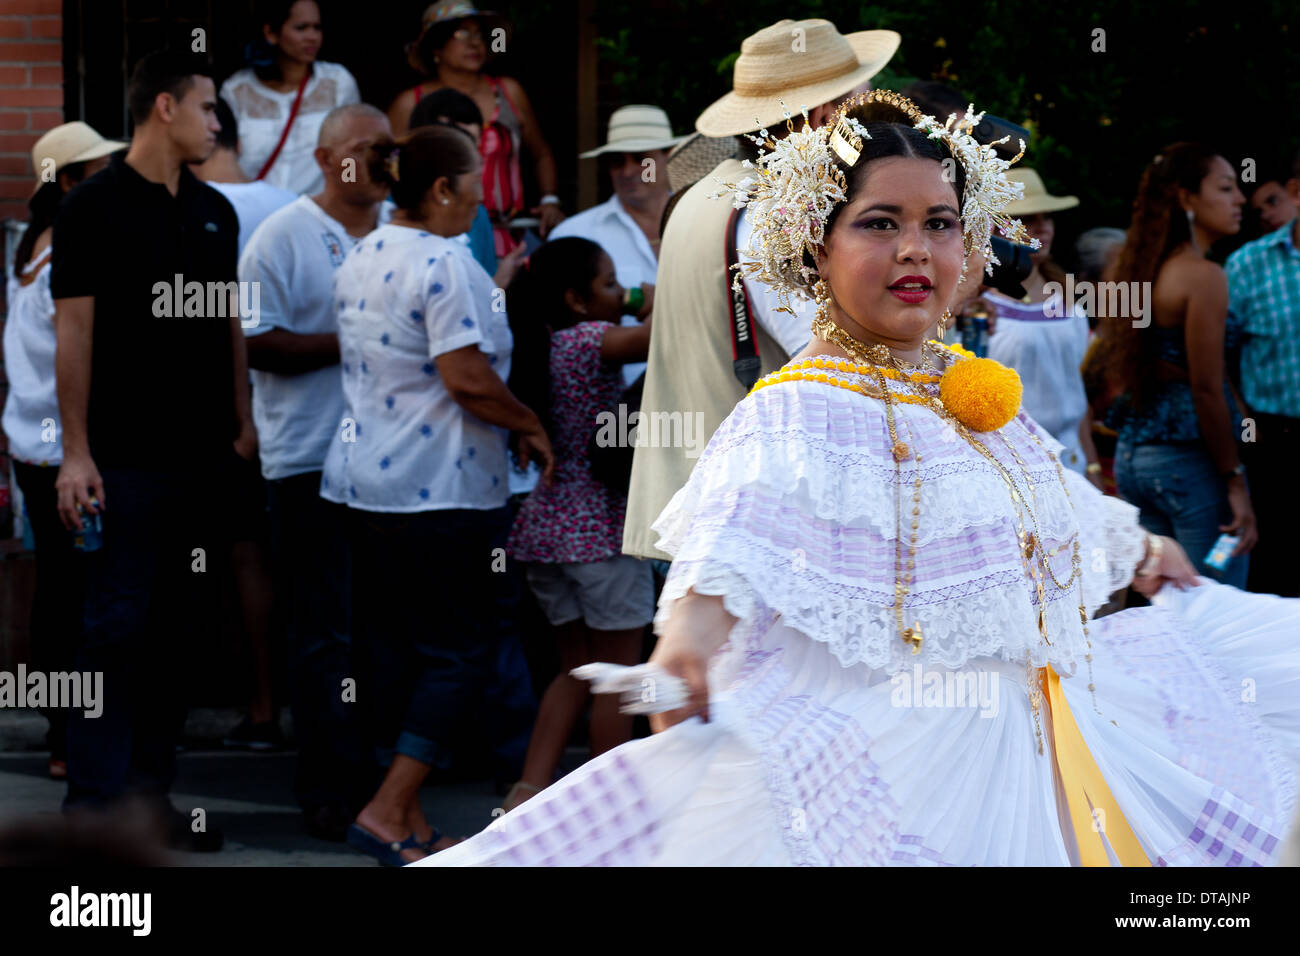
(826, 745)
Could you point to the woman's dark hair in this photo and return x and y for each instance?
(424, 156)
(892, 134)
(41, 210)
(260, 54)
(1157, 228)
(536, 308)
(453, 104)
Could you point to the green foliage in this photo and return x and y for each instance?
(1169, 71)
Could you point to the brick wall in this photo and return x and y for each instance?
(31, 92)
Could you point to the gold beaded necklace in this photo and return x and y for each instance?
(877, 357)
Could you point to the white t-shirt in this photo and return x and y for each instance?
(404, 297)
(253, 202)
(792, 332)
(29, 343)
(262, 112)
(1046, 350)
(610, 226)
(292, 256)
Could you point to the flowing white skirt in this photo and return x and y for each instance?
(805, 762)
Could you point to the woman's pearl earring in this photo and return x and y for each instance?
(446, 202)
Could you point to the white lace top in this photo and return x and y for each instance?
(791, 515)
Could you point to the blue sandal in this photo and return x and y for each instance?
(427, 845)
(387, 852)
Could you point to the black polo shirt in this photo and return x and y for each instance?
(161, 382)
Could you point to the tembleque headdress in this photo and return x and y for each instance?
(798, 183)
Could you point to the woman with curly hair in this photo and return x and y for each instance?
(1176, 457)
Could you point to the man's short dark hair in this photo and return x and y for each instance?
(162, 72)
(453, 104)
(228, 138)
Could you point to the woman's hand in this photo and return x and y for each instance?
(535, 445)
(697, 626)
(508, 265)
(682, 659)
(1243, 516)
(1166, 562)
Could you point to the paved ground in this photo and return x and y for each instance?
(248, 796)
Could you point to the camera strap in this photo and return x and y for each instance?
(744, 348)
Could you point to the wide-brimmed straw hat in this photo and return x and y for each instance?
(74, 142)
(1037, 199)
(800, 62)
(696, 156)
(446, 10)
(636, 129)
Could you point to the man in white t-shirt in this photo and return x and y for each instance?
(253, 200)
(626, 226)
(298, 401)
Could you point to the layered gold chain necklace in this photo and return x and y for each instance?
(1035, 557)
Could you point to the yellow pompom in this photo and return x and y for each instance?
(959, 349)
(981, 394)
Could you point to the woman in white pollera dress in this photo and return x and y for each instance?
(882, 580)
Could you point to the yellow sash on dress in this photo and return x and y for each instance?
(1086, 790)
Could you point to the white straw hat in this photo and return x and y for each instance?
(635, 129)
(74, 142)
(1036, 199)
(800, 62)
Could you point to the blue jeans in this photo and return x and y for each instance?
(312, 572)
(148, 608)
(429, 618)
(1182, 496)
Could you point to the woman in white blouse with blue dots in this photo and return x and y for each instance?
(421, 462)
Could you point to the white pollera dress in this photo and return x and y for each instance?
(830, 743)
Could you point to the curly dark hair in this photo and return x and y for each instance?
(1157, 228)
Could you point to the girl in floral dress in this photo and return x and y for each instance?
(565, 308)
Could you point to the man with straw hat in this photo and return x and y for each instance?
(702, 347)
(626, 226)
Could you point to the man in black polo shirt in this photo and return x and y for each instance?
(153, 394)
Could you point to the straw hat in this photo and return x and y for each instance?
(1037, 199)
(70, 143)
(696, 156)
(636, 129)
(800, 62)
(446, 10)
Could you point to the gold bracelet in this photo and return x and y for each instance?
(1094, 468)
(1155, 547)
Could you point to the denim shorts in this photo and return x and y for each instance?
(616, 594)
